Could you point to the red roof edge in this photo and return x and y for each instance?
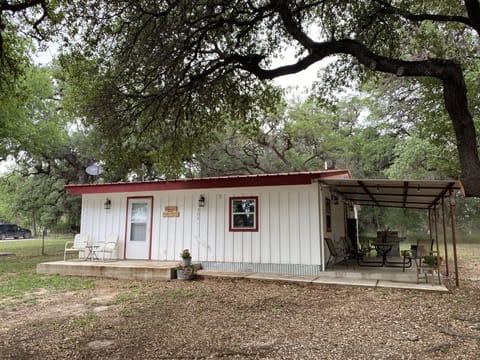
(277, 179)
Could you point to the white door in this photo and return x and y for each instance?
(138, 240)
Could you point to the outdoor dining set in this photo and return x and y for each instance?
(384, 251)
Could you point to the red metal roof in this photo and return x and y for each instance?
(293, 178)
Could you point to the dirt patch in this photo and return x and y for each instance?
(228, 318)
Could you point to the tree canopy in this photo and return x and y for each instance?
(176, 71)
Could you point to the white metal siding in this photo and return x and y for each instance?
(288, 228)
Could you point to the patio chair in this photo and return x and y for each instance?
(78, 245)
(428, 263)
(365, 246)
(108, 247)
(335, 253)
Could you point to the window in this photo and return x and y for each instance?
(244, 213)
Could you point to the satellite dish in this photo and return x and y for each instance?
(94, 169)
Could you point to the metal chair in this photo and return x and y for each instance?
(428, 263)
(365, 246)
(108, 247)
(335, 253)
(78, 245)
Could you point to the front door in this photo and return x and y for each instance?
(138, 240)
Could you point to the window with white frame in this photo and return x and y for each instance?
(244, 213)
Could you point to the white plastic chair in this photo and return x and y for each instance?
(110, 246)
(78, 245)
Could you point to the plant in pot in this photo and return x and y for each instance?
(431, 260)
(180, 272)
(186, 257)
(185, 270)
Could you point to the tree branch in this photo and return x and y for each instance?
(392, 10)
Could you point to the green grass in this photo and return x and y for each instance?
(33, 247)
(86, 319)
(19, 282)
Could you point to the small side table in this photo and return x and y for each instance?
(92, 252)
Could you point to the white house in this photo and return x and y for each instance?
(266, 223)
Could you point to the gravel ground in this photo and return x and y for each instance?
(239, 319)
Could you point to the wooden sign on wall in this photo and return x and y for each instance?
(171, 211)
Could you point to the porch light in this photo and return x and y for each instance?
(201, 201)
(107, 204)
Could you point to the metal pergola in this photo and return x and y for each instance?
(428, 195)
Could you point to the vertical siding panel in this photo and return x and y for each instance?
(255, 238)
(210, 237)
(192, 242)
(284, 228)
(315, 252)
(229, 236)
(163, 248)
(120, 224)
(264, 227)
(237, 246)
(154, 226)
(97, 223)
(304, 234)
(274, 251)
(226, 232)
(219, 249)
(294, 232)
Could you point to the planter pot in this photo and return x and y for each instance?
(186, 262)
(180, 274)
(189, 272)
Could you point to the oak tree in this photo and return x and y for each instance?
(177, 70)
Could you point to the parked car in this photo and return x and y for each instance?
(14, 231)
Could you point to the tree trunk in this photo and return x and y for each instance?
(455, 97)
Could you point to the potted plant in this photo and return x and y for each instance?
(431, 260)
(180, 272)
(186, 257)
(189, 272)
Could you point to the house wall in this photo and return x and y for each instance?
(287, 240)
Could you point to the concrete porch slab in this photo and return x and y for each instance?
(124, 269)
(160, 270)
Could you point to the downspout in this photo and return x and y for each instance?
(321, 209)
(454, 240)
(445, 245)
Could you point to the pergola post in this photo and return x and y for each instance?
(454, 240)
(445, 245)
(435, 217)
(430, 232)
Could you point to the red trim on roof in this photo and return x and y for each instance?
(297, 178)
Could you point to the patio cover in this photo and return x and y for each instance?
(412, 194)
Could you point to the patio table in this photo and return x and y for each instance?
(383, 248)
(92, 255)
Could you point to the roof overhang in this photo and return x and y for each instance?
(412, 194)
(277, 179)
